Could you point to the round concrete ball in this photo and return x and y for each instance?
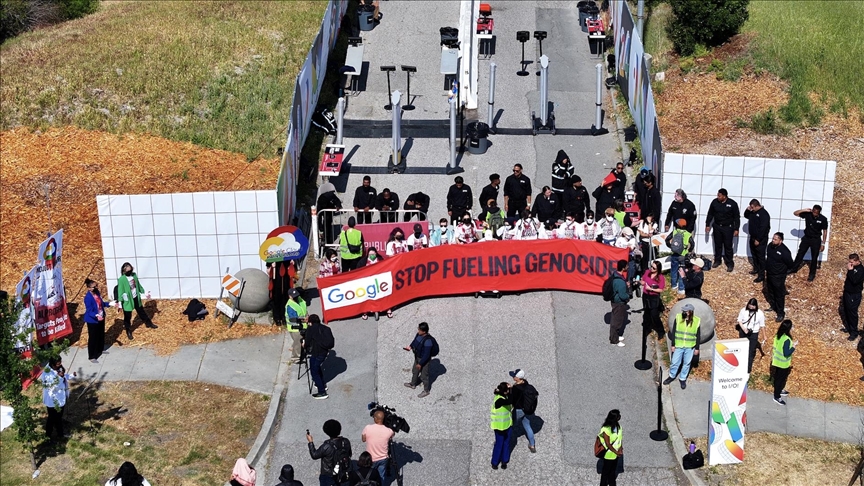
(702, 311)
(256, 292)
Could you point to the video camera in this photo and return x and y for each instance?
(391, 420)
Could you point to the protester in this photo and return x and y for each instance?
(351, 245)
(94, 317)
(417, 240)
(815, 234)
(127, 475)
(495, 217)
(387, 203)
(508, 231)
(575, 198)
(372, 258)
(569, 229)
(366, 473)
(778, 262)
(759, 227)
(416, 202)
(609, 228)
(396, 244)
(466, 231)
(55, 393)
(442, 235)
(527, 228)
(524, 399)
(652, 201)
(621, 215)
(377, 438)
(639, 183)
(546, 206)
(681, 242)
(686, 345)
(620, 298)
(781, 360)
(423, 346)
(627, 240)
(490, 191)
(517, 192)
(318, 341)
(611, 437)
(129, 294)
(365, 198)
(329, 265)
(653, 284)
(459, 199)
(604, 195)
(562, 172)
(327, 453)
(286, 476)
(681, 208)
(751, 320)
(693, 278)
(851, 298)
(647, 228)
(724, 216)
(501, 423)
(590, 229)
(295, 314)
(243, 474)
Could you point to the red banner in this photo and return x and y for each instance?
(507, 266)
(376, 234)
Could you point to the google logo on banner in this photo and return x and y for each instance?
(356, 291)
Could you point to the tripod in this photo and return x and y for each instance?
(304, 360)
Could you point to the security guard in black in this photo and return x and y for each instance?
(725, 217)
(815, 233)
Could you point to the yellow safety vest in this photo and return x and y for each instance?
(502, 417)
(686, 334)
(615, 439)
(619, 216)
(685, 239)
(779, 360)
(354, 237)
(300, 309)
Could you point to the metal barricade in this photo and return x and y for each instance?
(327, 224)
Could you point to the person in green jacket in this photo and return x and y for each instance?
(129, 295)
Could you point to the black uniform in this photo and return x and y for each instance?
(620, 184)
(851, 299)
(759, 228)
(605, 199)
(685, 210)
(488, 192)
(725, 218)
(547, 210)
(391, 204)
(364, 197)
(651, 203)
(693, 281)
(812, 240)
(419, 202)
(517, 190)
(778, 261)
(328, 200)
(640, 189)
(459, 200)
(576, 200)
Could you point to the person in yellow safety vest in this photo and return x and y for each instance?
(501, 423)
(782, 359)
(611, 435)
(685, 346)
(350, 246)
(295, 315)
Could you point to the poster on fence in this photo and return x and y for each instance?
(48, 296)
(24, 324)
(728, 414)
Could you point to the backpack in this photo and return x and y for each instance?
(529, 400)
(676, 243)
(608, 290)
(341, 460)
(599, 448)
(495, 221)
(693, 460)
(195, 310)
(366, 481)
(435, 348)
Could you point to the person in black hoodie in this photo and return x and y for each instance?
(576, 199)
(318, 341)
(562, 172)
(459, 199)
(652, 201)
(605, 197)
(364, 201)
(620, 185)
(759, 227)
(286, 477)
(365, 471)
(387, 202)
(418, 202)
(327, 199)
(327, 452)
(778, 262)
(547, 207)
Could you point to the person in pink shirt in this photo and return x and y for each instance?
(377, 437)
(653, 283)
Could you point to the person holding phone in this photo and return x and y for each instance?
(653, 284)
(129, 295)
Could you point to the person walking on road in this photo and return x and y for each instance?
(286, 476)
(501, 423)
(653, 284)
(377, 438)
(725, 218)
(295, 315)
(351, 245)
(329, 453)
(782, 360)
(815, 234)
(851, 299)
(562, 172)
(524, 397)
(759, 227)
(751, 320)
(424, 347)
(778, 262)
(319, 341)
(130, 294)
(686, 345)
(611, 437)
(620, 298)
(517, 192)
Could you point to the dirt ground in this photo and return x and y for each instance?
(77, 165)
(697, 114)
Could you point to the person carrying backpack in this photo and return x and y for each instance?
(680, 241)
(365, 474)
(524, 398)
(615, 292)
(495, 217)
(334, 453)
(425, 347)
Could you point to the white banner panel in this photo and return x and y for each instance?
(728, 417)
(180, 244)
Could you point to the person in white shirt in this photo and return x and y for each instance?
(396, 244)
(127, 475)
(55, 392)
(569, 228)
(507, 232)
(647, 228)
(627, 240)
(443, 234)
(609, 228)
(417, 239)
(751, 320)
(527, 228)
(589, 230)
(466, 231)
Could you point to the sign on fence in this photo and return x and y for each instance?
(48, 295)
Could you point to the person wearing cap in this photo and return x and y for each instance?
(327, 452)
(639, 182)
(759, 227)
(575, 198)
(295, 315)
(417, 240)
(686, 344)
(725, 217)
(459, 199)
(286, 476)
(318, 341)
(364, 200)
(693, 278)
(604, 195)
(562, 172)
(351, 246)
(681, 208)
(524, 398)
(678, 256)
(517, 192)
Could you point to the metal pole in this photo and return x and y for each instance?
(397, 127)
(491, 114)
(452, 162)
(544, 89)
(659, 435)
(315, 239)
(640, 17)
(340, 119)
(598, 116)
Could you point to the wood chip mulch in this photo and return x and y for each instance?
(77, 165)
(826, 365)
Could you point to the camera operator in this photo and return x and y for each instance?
(377, 437)
(330, 452)
(693, 278)
(319, 341)
(295, 314)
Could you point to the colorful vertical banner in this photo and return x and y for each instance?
(24, 324)
(47, 293)
(728, 415)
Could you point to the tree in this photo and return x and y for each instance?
(706, 22)
(13, 368)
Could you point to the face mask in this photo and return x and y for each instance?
(466, 221)
(333, 259)
(610, 218)
(129, 273)
(590, 220)
(399, 237)
(372, 256)
(569, 221)
(417, 234)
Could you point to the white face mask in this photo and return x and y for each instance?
(334, 259)
(610, 218)
(590, 220)
(569, 221)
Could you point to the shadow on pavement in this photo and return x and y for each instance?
(333, 366)
(436, 369)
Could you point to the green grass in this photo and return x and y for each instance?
(217, 74)
(657, 43)
(817, 47)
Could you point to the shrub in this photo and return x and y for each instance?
(13, 18)
(75, 9)
(706, 22)
(687, 64)
(17, 16)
